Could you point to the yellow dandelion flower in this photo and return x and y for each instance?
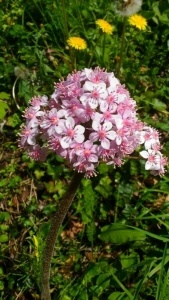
(138, 21)
(105, 26)
(77, 43)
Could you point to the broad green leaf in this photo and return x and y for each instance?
(116, 296)
(1, 271)
(158, 237)
(92, 271)
(3, 238)
(39, 173)
(164, 19)
(4, 96)
(54, 187)
(120, 234)
(1, 285)
(13, 120)
(158, 104)
(130, 260)
(103, 280)
(3, 182)
(47, 69)
(104, 187)
(4, 216)
(4, 227)
(3, 108)
(66, 297)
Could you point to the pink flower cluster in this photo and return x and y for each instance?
(90, 118)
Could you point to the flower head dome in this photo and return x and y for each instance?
(90, 118)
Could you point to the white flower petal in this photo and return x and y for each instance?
(105, 144)
(88, 86)
(79, 138)
(70, 122)
(144, 154)
(111, 135)
(119, 121)
(107, 125)
(118, 140)
(79, 129)
(93, 103)
(65, 142)
(93, 158)
(96, 125)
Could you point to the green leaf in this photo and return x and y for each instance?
(92, 271)
(158, 104)
(4, 227)
(155, 236)
(66, 297)
(88, 204)
(4, 96)
(130, 260)
(4, 216)
(39, 174)
(54, 187)
(164, 19)
(105, 187)
(103, 168)
(3, 108)
(118, 234)
(103, 280)
(1, 271)
(47, 69)
(3, 238)
(13, 120)
(1, 285)
(116, 296)
(3, 182)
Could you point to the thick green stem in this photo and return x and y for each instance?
(122, 48)
(57, 220)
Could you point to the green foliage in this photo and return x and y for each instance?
(119, 234)
(114, 242)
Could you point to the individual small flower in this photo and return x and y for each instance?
(127, 8)
(38, 153)
(105, 26)
(71, 132)
(94, 93)
(39, 101)
(77, 43)
(102, 133)
(51, 120)
(138, 21)
(28, 135)
(153, 159)
(88, 152)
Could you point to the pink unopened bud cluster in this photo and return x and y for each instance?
(90, 118)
